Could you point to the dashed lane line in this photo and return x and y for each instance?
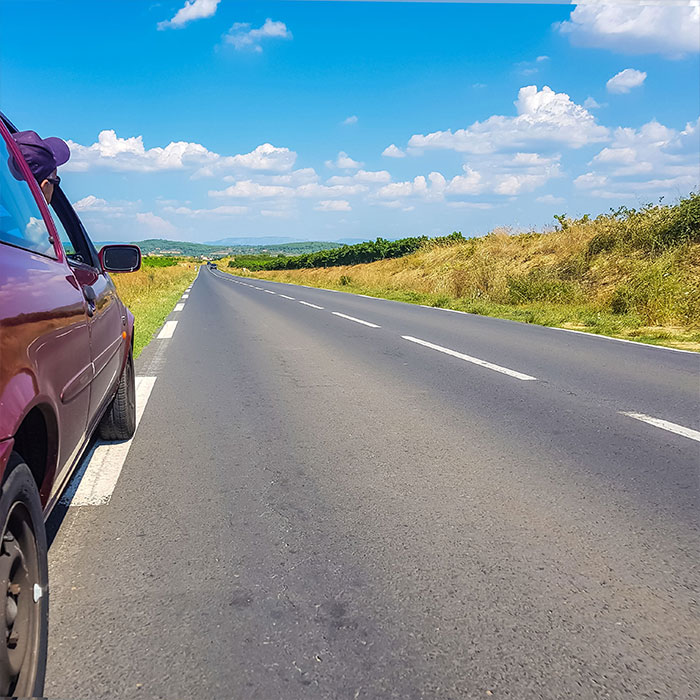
(308, 303)
(284, 296)
(94, 483)
(269, 291)
(356, 320)
(167, 330)
(665, 425)
(469, 358)
(179, 306)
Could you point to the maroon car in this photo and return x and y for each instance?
(66, 370)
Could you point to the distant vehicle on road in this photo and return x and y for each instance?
(66, 371)
(213, 266)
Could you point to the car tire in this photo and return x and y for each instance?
(24, 576)
(119, 422)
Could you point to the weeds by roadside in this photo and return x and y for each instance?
(151, 294)
(631, 274)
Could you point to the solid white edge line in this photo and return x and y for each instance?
(167, 330)
(284, 296)
(356, 320)
(473, 360)
(104, 464)
(179, 306)
(622, 340)
(313, 306)
(665, 425)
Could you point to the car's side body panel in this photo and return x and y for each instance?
(57, 354)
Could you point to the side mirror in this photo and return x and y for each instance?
(120, 258)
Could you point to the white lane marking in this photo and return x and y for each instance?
(665, 425)
(104, 464)
(284, 296)
(622, 340)
(185, 296)
(179, 306)
(167, 330)
(313, 306)
(469, 358)
(258, 288)
(269, 291)
(357, 320)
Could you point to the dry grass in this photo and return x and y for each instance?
(586, 276)
(151, 294)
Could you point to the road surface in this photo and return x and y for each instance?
(332, 496)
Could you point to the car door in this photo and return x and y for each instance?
(106, 317)
(45, 358)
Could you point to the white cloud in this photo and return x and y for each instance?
(545, 119)
(590, 103)
(504, 175)
(350, 120)
(314, 190)
(670, 28)
(550, 199)
(253, 190)
(333, 205)
(672, 156)
(393, 152)
(193, 9)
(90, 203)
(366, 176)
(590, 180)
(129, 154)
(344, 162)
(116, 153)
(625, 80)
(216, 211)
(152, 225)
(241, 36)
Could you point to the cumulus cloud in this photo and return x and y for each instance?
(673, 157)
(216, 211)
(253, 190)
(590, 103)
(153, 225)
(130, 155)
(625, 80)
(333, 205)
(193, 9)
(366, 176)
(393, 152)
(545, 119)
(344, 162)
(550, 199)
(350, 120)
(505, 175)
(669, 28)
(242, 37)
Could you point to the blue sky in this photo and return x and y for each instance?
(204, 119)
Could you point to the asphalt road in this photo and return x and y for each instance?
(314, 507)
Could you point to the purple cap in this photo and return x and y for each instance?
(43, 156)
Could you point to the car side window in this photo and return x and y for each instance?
(21, 221)
(76, 243)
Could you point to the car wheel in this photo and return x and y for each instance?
(24, 576)
(119, 422)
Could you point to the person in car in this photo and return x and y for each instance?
(43, 156)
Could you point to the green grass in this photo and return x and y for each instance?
(151, 294)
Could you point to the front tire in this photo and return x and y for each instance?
(24, 577)
(119, 422)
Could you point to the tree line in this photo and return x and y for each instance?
(367, 252)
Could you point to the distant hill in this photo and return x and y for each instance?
(161, 246)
